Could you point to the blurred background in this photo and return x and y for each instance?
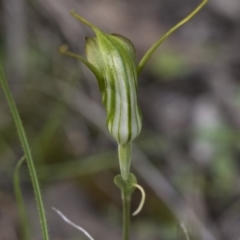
(187, 155)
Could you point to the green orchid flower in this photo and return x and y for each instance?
(112, 59)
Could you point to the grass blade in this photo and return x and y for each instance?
(27, 153)
(20, 201)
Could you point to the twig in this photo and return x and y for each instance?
(65, 219)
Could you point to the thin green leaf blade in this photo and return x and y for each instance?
(27, 153)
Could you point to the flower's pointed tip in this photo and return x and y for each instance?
(63, 49)
(74, 14)
(72, 11)
(83, 20)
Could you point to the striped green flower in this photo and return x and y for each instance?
(112, 59)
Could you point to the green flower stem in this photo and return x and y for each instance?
(27, 153)
(124, 155)
(126, 199)
(126, 187)
(20, 202)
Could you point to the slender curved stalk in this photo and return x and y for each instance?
(20, 202)
(149, 53)
(27, 153)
